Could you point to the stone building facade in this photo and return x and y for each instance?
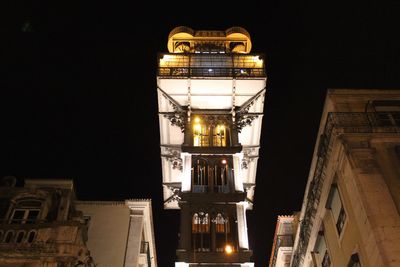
(44, 225)
(351, 210)
(40, 225)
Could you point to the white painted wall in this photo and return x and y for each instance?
(108, 231)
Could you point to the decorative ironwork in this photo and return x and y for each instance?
(249, 154)
(174, 157)
(214, 120)
(175, 194)
(243, 117)
(336, 123)
(178, 117)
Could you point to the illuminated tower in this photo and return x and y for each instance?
(211, 93)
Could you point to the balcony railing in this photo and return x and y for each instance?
(211, 72)
(211, 65)
(338, 122)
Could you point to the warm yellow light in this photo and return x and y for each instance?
(167, 57)
(197, 120)
(197, 128)
(164, 61)
(223, 161)
(228, 249)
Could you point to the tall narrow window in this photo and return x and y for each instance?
(335, 204)
(201, 133)
(222, 232)
(200, 232)
(219, 135)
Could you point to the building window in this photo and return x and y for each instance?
(201, 231)
(354, 261)
(219, 135)
(26, 211)
(201, 134)
(321, 254)
(24, 216)
(211, 174)
(222, 232)
(335, 204)
(209, 134)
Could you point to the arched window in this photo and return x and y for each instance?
(9, 236)
(31, 236)
(201, 231)
(26, 211)
(20, 237)
(211, 174)
(222, 232)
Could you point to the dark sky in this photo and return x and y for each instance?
(78, 93)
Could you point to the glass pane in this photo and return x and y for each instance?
(32, 216)
(200, 133)
(219, 136)
(18, 216)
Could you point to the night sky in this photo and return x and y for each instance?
(78, 93)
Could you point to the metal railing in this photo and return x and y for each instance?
(211, 65)
(338, 122)
(211, 72)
